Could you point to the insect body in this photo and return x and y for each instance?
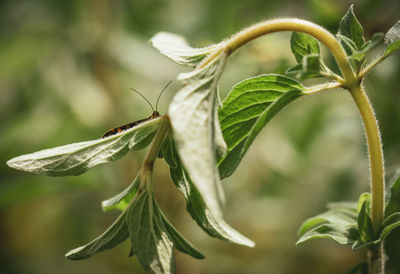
(154, 115)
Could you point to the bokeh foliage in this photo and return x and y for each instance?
(65, 72)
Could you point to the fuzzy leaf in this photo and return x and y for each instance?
(191, 114)
(247, 109)
(392, 39)
(150, 241)
(177, 49)
(121, 200)
(389, 224)
(302, 45)
(309, 68)
(179, 241)
(352, 29)
(344, 235)
(211, 223)
(364, 224)
(339, 216)
(115, 234)
(168, 151)
(393, 195)
(77, 158)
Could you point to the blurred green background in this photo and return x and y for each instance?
(65, 72)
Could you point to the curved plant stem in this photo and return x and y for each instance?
(288, 24)
(374, 151)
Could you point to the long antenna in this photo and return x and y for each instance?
(162, 93)
(143, 98)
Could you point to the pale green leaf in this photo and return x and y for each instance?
(179, 241)
(340, 216)
(345, 235)
(191, 114)
(247, 108)
(77, 158)
(177, 49)
(392, 39)
(150, 241)
(211, 223)
(122, 199)
(302, 45)
(115, 234)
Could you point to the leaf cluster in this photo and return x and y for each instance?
(204, 142)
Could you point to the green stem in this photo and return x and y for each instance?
(287, 24)
(151, 155)
(375, 153)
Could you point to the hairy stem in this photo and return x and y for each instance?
(375, 153)
(288, 24)
(155, 146)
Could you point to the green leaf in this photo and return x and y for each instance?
(310, 67)
(352, 29)
(179, 241)
(211, 223)
(340, 216)
(364, 224)
(115, 234)
(393, 195)
(389, 224)
(177, 49)
(302, 45)
(168, 151)
(191, 115)
(392, 39)
(77, 158)
(150, 241)
(247, 109)
(364, 198)
(344, 235)
(121, 200)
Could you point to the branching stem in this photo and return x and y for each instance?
(351, 82)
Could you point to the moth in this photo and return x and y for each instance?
(154, 115)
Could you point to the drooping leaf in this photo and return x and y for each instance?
(179, 241)
(246, 110)
(393, 195)
(191, 115)
(392, 39)
(345, 235)
(115, 234)
(122, 199)
(302, 45)
(352, 29)
(150, 241)
(77, 158)
(177, 49)
(211, 223)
